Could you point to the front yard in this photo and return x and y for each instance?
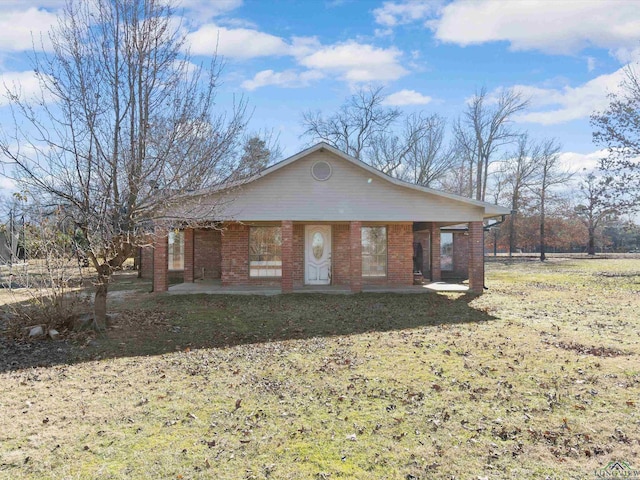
(538, 378)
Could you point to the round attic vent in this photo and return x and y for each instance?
(321, 171)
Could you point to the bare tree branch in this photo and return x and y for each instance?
(123, 125)
(483, 129)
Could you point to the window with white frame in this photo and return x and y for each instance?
(176, 250)
(374, 251)
(265, 252)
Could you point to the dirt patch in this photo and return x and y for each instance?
(18, 355)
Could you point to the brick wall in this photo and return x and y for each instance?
(235, 257)
(146, 262)
(400, 254)
(160, 265)
(340, 254)
(460, 257)
(436, 272)
(346, 255)
(208, 253)
(476, 257)
(298, 255)
(355, 259)
(188, 255)
(423, 238)
(235, 254)
(399, 257)
(287, 256)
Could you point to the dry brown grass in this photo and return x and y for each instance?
(538, 378)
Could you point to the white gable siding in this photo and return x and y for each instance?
(352, 193)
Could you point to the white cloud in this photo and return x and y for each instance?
(591, 64)
(350, 61)
(406, 97)
(287, 79)
(569, 103)
(627, 54)
(8, 5)
(303, 46)
(241, 43)
(24, 84)
(356, 62)
(205, 10)
(562, 27)
(581, 162)
(392, 14)
(21, 29)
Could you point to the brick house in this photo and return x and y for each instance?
(322, 217)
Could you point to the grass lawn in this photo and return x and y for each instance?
(537, 378)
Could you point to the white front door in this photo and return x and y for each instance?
(317, 254)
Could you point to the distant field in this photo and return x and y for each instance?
(537, 378)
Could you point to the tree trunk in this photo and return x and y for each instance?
(512, 233)
(543, 256)
(591, 249)
(100, 304)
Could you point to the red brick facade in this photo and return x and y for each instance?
(400, 254)
(460, 255)
(460, 269)
(160, 264)
(287, 256)
(340, 254)
(355, 256)
(207, 245)
(235, 254)
(423, 237)
(476, 257)
(436, 273)
(146, 262)
(298, 255)
(188, 255)
(224, 254)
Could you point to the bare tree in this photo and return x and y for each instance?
(357, 123)
(395, 154)
(429, 159)
(407, 147)
(549, 175)
(483, 129)
(519, 169)
(595, 207)
(124, 124)
(618, 129)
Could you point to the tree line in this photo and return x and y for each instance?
(482, 155)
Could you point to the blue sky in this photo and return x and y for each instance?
(286, 57)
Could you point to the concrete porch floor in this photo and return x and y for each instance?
(214, 287)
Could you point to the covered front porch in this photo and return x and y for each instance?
(327, 257)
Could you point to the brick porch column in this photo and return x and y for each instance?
(160, 264)
(188, 255)
(436, 272)
(287, 256)
(355, 256)
(476, 257)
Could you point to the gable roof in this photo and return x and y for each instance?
(488, 209)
